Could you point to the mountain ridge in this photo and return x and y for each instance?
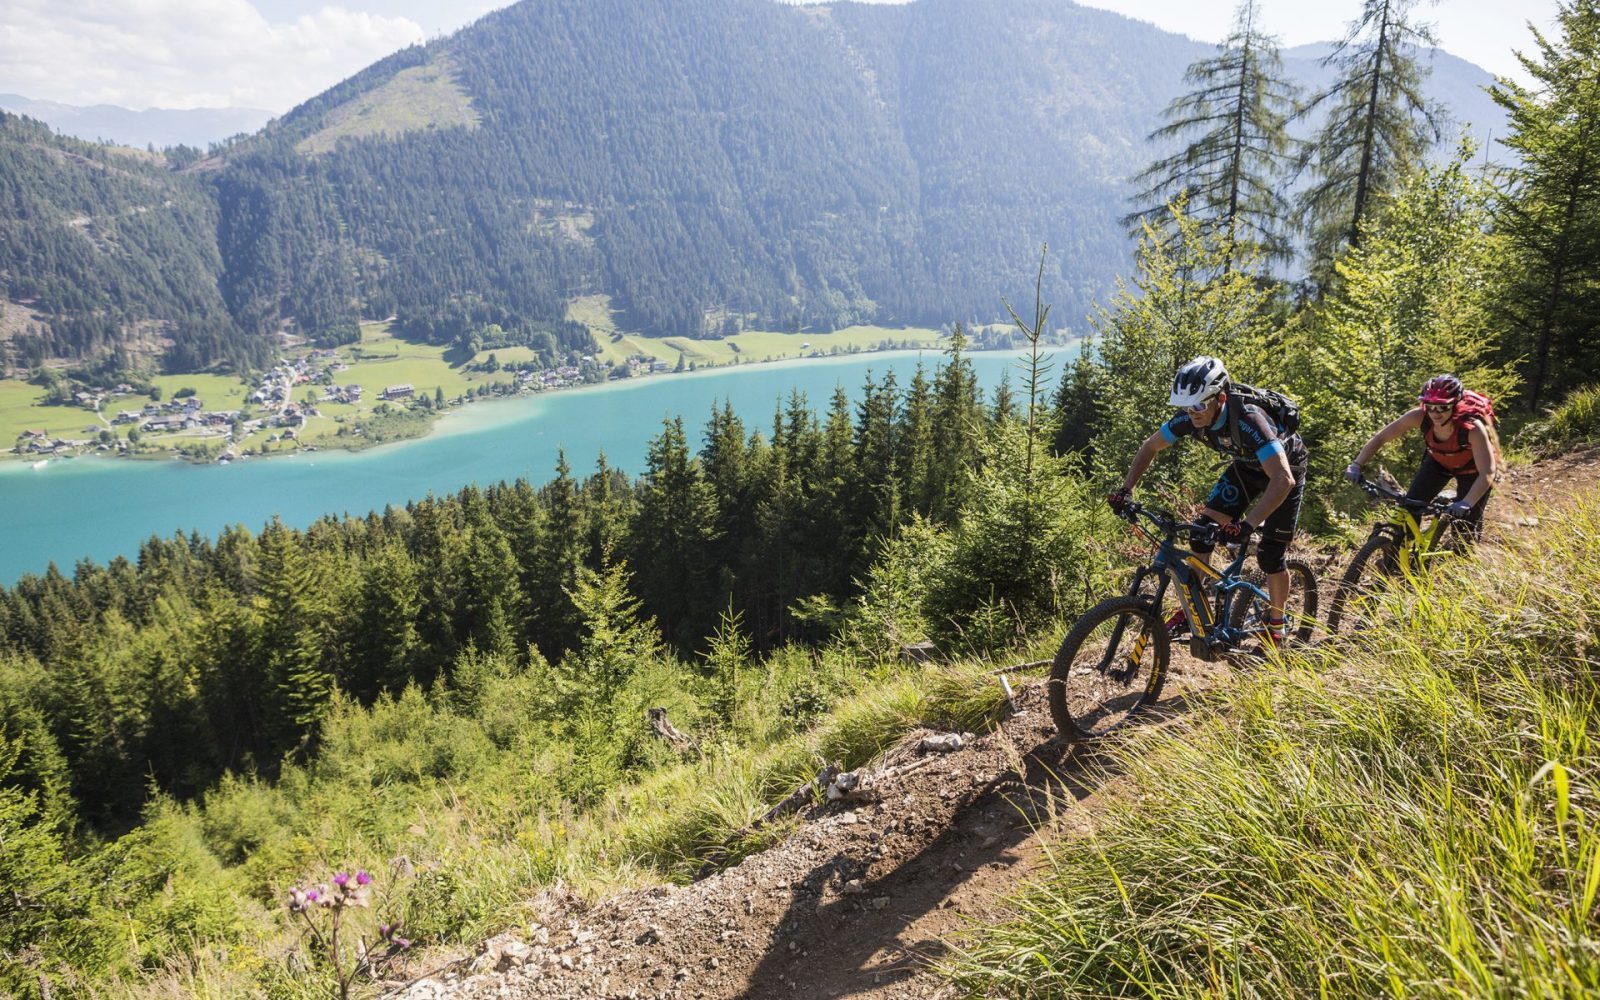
(770, 166)
(150, 127)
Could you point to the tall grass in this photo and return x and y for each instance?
(1412, 813)
(1575, 421)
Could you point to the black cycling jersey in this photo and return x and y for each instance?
(1260, 436)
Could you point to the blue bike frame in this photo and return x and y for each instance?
(1210, 635)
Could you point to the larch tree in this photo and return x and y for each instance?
(1238, 149)
(1376, 128)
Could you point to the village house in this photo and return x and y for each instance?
(400, 391)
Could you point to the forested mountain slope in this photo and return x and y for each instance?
(104, 251)
(708, 166)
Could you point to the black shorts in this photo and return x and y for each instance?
(1431, 478)
(1239, 487)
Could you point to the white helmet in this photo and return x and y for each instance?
(1198, 381)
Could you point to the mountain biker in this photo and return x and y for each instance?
(1268, 470)
(1459, 442)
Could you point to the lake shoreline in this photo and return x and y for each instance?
(438, 420)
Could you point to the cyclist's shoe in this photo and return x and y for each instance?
(1275, 636)
(1177, 623)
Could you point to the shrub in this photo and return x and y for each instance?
(1576, 421)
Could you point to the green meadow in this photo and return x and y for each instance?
(617, 345)
(381, 360)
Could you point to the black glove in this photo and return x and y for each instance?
(1118, 502)
(1236, 532)
(1460, 510)
(1353, 473)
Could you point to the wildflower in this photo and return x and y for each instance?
(362, 878)
(341, 880)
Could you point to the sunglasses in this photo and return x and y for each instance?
(1201, 406)
(1439, 407)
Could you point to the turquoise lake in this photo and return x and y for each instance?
(101, 508)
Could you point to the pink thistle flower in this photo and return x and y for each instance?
(362, 878)
(341, 880)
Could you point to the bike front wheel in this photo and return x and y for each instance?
(1379, 557)
(1300, 611)
(1109, 667)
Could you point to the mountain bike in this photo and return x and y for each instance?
(1397, 547)
(1113, 661)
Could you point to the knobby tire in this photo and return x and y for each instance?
(1362, 574)
(1086, 702)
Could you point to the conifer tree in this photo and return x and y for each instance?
(1181, 302)
(559, 557)
(872, 505)
(291, 637)
(1378, 125)
(918, 477)
(386, 644)
(674, 534)
(958, 426)
(1234, 120)
(1550, 217)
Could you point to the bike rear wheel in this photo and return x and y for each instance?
(1300, 611)
(1109, 667)
(1379, 557)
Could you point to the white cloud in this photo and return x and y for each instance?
(186, 53)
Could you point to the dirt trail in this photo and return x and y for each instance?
(864, 896)
(855, 903)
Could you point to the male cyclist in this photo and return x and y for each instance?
(1459, 443)
(1268, 471)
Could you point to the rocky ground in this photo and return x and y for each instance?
(866, 895)
(857, 902)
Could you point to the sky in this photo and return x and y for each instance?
(273, 54)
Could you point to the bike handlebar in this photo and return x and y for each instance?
(1378, 491)
(1170, 526)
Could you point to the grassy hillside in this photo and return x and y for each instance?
(1409, 812)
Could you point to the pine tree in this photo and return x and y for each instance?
(872, 500)
(1550, 216)
(918, 477)
(958, 426)
(674, 534)
(1378, 126)
(1234, 120)
(614, 633)
(386, 644)
(558, 559)
(291, 636)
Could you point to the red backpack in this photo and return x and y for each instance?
(1474, 405)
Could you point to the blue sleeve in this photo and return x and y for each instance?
(1269, 449)
(1179, 426)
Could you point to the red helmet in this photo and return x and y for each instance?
(1441, 389)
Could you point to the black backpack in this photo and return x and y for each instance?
(1283, 410)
